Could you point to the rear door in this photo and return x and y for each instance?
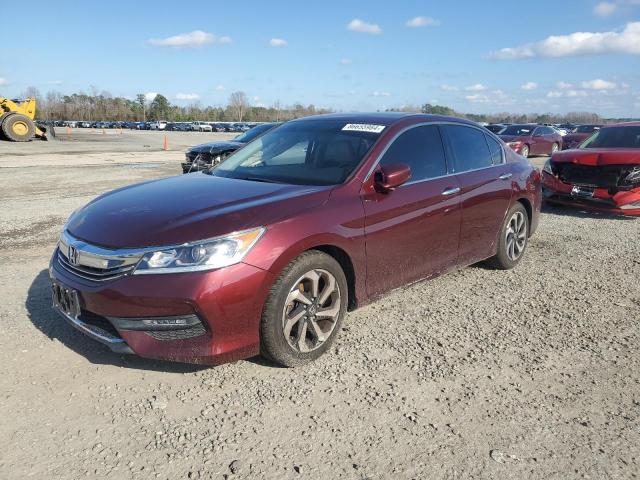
(486, 186)
(412, 232)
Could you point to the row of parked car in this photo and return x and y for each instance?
(535, 139)
(196, 126)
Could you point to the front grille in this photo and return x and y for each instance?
(607, 176)
(93, 273)
(98, 322)
(183, 334)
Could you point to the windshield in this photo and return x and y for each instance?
(518, 130)
(249, 135)
(586, 129)
(614, 137)
(319, 152)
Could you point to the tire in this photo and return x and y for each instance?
(292, 330)
(554, 148)
(525, 151)
(514, 236)
(18, 128)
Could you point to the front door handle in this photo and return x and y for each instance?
(451, 191)
(505, 176)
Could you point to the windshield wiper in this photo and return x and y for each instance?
(258, 179)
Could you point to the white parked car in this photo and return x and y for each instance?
(201, 127)
(160, 125)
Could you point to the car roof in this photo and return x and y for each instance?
(383, 118)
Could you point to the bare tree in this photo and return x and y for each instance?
(238, 103)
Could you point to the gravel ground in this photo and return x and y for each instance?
(531, 373)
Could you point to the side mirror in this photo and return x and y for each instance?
(390, 177)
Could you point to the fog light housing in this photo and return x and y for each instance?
(179, 322)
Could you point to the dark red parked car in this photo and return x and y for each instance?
(266, 252)
(603, 174)
(578, 135)
(532, 139)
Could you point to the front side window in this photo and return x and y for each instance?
(469, 148)
(421, 149)
(315, 152)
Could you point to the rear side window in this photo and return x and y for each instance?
(420, 148)
(495, 149)
(469, 148)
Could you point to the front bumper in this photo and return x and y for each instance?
(228, 302)
(555, 190)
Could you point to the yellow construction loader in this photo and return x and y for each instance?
(16, 120)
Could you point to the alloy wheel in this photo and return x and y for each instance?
(516, 236)
(311, 310)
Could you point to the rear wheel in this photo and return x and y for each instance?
(554, 148)
(525, 151)
(304, 310)
(513, 239)
(18, 128)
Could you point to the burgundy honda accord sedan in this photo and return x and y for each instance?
(532, 139)
(266, 252)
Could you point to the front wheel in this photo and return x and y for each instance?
(18, 128)
(513, 239)
(554, 148)
(304, 310)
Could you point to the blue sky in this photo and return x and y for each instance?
(475, 56)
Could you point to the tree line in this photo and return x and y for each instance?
(102, 105)
(105, 107)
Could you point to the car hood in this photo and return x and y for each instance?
(187, 208)
(217, 146)
(597, 157)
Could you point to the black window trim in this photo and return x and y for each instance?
(450, 169)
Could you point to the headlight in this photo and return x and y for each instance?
(633, 176)
(547, 167)
(199, 256)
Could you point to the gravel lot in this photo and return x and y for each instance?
(532, 373)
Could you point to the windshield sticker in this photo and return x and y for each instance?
(363, 127)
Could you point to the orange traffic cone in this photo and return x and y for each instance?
(103, 132)
(165, 144)
(68, 130)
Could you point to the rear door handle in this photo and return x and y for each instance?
(451, 191)
(505, 176)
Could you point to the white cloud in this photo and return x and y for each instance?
(604, 9)
(422, 22)
(477, 98)
(194, 39)
(357, 25)
(578, 43)
(219, 88)
(277, 42)
(566, 93)
(4, 81)
(55, 82)
(564, 85)
(346, 61)
(478, 87)
(380, 94)
(529, 86)
(187, 96)
(598, 84)
(449, 88)
(149, 96)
